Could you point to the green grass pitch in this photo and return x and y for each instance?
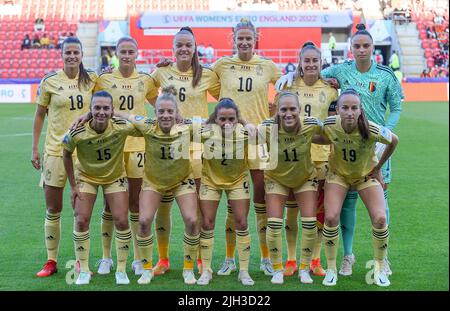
(418, 202)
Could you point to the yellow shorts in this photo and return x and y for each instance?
(185, 187)
(120, 185)
(211, 193)
(53, 171)
(321, 169)
(134, 163)
(352, 183)
(273, 187)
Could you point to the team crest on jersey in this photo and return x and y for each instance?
(259, 70)
(322, 97)
(372, 87)
(141, 86)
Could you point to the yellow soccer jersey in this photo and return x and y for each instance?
(315, 102)
(247, 83)
(224, 158)
(293, 156)
(191, 101)
(129, 95)
(64, 102)
(100, 156)
(167, 155)
(352, 156)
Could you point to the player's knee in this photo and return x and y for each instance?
(121, 224)
(81, 222)
(54, 208)
(331, 219)
(144, 225)
(241, 224)
(191, 223)
(379, 221)
(208, 223)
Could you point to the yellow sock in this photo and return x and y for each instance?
(163, 225)
(145, 245)
(107, 227)
(274, 242)
(123, 239)
(309, 235)
(52, 231)
(199, 225)
(318, 244)
(243, 246)
(331, 242)
(230, 234)
(206, 248)
(261, 226)
(134, 225)
(82, 245)
(190, 244)
(380, 242)
(291, 228)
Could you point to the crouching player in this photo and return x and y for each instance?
(99, 144)
(354, 166)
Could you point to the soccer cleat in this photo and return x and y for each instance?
(122, 278)
(205, 278)
(78, 268)
(347, 263)
(199, 266)
(137, 267)
(146, 277)
(387, 267)
(49, 268)
(83, 278)
(304, 276)
(381, 278)
(228, 266)
(189, 277)
(266, 266)
(330, 278)
(245, 278)
(104, 265)
(278, 277)
(316, 267)
(290, 268)
(162, 266)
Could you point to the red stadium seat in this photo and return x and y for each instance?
(430, 62)
(23, 74)
(43, 53)
(428, 53)
(54, 53)
(4, 74)
(42, 63)
(15, 64)
(425, 44)
(434, 43)
(13, 73)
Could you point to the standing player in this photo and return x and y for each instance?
(99, 145)
(245, 78)
(378, 88)
(63, 95)
(129, 89)
(293, 171)
(192, 82)
(354, 165)
(225, 169)
(167, 171)
(318, 100)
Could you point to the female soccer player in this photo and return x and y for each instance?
(63, 95)
(378, 88)
(293, 170)
(318, 100)
(192, 82)
(130, 89)
(167, 171)
(354, 165)
(99, 144)
(245, 78)
(225, 169)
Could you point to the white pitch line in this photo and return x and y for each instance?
(15, 135)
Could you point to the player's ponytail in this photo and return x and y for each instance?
(168, 93)
(308, 45)
(197, 69)
(278, 98)
(224, 103)
(363, 124)
(83, 76)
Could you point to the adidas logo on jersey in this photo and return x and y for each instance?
(60, 88)
(114, 86)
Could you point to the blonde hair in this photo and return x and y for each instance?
(244, 24)
(168, 93)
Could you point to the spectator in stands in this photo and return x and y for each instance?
(399, 75)
(331, 42)
(114, 61)
(36, 43)
(394, 62)
(379, 57)
(209, 51)
(425, 74)
(290, 67)
(61, 39)
(26, 43)
(52, 43)
(44, 41)
(39, 24)
(201, 50)
(104, 60)
(325, 64)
